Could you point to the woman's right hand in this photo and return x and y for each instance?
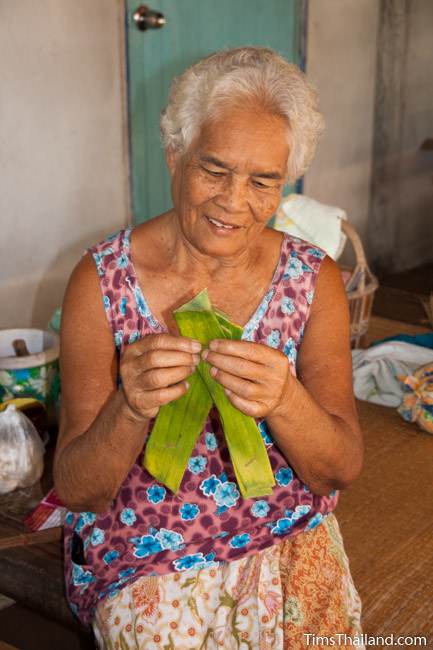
(153, 372)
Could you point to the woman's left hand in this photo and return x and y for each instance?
(255, 377)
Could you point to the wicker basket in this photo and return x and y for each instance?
(360, 288)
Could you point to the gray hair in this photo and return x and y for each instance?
(256, 75)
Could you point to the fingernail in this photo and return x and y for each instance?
(204, 354)
(213, 345)
(196, 358)
(196, 346)
(213, 371)
(186, 385)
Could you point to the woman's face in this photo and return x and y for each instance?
(228, 184)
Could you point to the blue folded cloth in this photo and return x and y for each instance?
(425, 340)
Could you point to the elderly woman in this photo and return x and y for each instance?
(205, 567)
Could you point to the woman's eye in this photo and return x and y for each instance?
(261, 185)
(213, 172)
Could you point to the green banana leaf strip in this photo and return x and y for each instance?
(175, 432)
(247, 450)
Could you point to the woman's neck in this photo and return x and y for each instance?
(187, 259)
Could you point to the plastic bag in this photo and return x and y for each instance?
(21, 451)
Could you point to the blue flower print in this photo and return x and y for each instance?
(189, 511)
(314, 521)
(197, 464)
(223, 533)
(211, 441)
(264, 432)
(81, 576)
(310, 296)
(106, 303)
(156, 493)
(290, 350)
(238, 541)
(145, 545)
(188, 561)
(282, 526)
(122, 261)
(85, 519)
(98, 261)
(306, 488)
(110, 556)
(333, 493)
(195, 561)
(125, 573)
(274, 338)
(118, 338)
(170, 540)
(143, 309)
(134, 336)
(300, 511)
(260, 508)
(294, 269)
(122, 306)
(250, 328)
(288, 306)
(69, 519)
(315, 252)
(209, 485)
(89, 517)
(226, 494)
(97, 537)
(284, 476)
(128, 516)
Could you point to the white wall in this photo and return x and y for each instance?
(63, 168)
(341, 62)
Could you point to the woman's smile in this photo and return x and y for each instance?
(221, 228)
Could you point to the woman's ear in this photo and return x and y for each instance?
(171, 158)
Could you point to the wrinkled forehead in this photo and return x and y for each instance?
(244, 138)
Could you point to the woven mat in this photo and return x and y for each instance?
(386, 518)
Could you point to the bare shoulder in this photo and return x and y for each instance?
(151, 243)
(87, 351)
(325, 360)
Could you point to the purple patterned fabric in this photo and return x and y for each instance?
(149, 530)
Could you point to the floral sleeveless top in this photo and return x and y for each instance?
(148, 530)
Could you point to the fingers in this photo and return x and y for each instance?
(156, 398)
(146, 403)
(242, 387)
(237, 366)
(251, 351)
(254, 409)
(154, 369)
(164, 342)
(163, 377)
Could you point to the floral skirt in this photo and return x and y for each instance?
(279, 598)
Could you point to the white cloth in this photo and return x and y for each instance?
(376, 370)
(317, 223)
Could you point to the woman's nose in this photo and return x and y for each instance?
(233, 196)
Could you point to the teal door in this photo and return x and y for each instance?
(193, 29)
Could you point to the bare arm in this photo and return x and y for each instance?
(102, 429)
(317, 426)
(313, 417)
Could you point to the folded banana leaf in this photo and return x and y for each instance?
(179, 423)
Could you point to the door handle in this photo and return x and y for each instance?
(146, 18)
